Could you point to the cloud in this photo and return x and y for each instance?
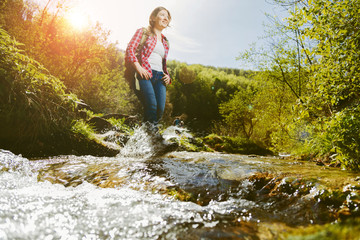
(181, 43)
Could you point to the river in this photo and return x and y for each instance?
(179, 195)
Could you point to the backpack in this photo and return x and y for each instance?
(130, 72)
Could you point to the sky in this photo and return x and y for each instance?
(207, 32)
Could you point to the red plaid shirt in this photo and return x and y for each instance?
(146, 51)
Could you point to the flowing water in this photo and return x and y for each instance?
(179, 195)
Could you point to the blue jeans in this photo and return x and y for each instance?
(152, 95)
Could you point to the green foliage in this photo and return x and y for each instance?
(338, 137)
(83, 60)
(347, 143)
(82, 128)
(197, 91)
(309, 85)
(121, 126)
(303, 99)
(108, 93)
(238, 113)
(334, 26)
(281, 85)
(335, 72)
(32, 102)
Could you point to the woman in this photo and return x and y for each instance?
(150, 64)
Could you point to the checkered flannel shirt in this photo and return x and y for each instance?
(130, 54)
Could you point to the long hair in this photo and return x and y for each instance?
(153, 15)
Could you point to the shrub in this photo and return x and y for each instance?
(33, 103)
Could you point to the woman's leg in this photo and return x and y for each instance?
(148, 101)
(160, 94)
(153, 95)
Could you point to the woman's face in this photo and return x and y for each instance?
(161, 20)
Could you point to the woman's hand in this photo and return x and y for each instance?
(142, 71)
(166, 79)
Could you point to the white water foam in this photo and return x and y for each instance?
(139, 145)
(143, 144)
(14, 163)
(40, 210)
(176, 133)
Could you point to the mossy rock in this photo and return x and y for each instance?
(349, 229)
(61, 143)
(234, 145)
(180, 194)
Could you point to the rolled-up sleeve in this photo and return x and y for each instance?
(130, 53)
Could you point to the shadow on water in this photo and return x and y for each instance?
(179, 195)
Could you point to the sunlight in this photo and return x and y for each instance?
(77, 19)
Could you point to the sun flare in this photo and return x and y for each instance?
(78, 19)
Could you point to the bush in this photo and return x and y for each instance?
(337, 138)
(347, 138)
(33, 103)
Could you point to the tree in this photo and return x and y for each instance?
(314, 55)
(335, 74)
(335, 27)
(200, 99)
(238, 113)
(85, 61)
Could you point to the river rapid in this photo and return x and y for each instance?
(179, 195)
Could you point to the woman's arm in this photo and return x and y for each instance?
(130, 54)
